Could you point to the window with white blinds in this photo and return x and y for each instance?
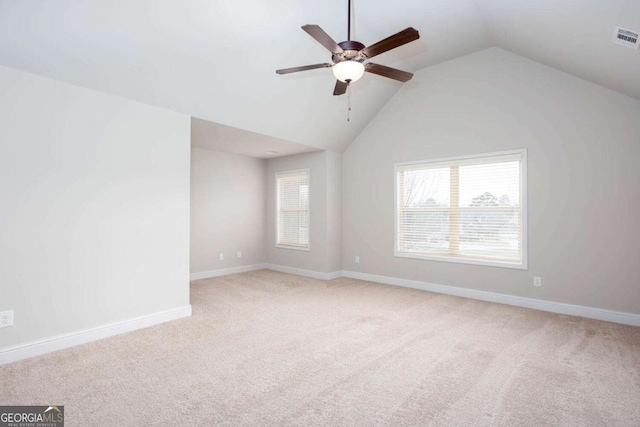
(465, 209)
(292, 209)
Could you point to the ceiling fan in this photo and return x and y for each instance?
(349, 56)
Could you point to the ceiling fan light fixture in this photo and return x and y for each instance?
(348, 71)
(348, 56)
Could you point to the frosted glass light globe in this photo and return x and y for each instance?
(348, 70)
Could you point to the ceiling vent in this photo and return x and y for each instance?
(628, 38)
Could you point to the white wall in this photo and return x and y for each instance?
(227, 210)
(334, 211)
(94, 216)
(325, 212)
(583, 146)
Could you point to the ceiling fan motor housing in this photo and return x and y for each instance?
(351, 51)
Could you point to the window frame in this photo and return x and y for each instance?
(523, 265)
(278, 245)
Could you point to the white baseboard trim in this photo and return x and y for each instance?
(306, 273)
(59, 342)
(551, 306)
(334, 275)
(226, 271)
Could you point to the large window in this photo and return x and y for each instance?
(465, 209)
(292, 209)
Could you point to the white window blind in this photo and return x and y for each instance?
(465, 209)
(292, 209)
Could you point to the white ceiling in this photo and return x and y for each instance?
(214, 136)
(216, 60)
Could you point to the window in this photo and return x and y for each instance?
(465, 209)
(292, 209)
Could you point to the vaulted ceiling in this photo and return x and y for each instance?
(215, 60)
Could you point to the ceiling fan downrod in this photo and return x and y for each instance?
(349, 22)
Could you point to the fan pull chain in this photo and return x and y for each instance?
(348, 103)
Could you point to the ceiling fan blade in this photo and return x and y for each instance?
(392, 73)
(341, 88)
(403, 37)
(323, 38)
(303, 68)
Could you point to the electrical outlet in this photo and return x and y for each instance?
(6, 319)
(221, 257)
(357, 260)
(239, 254)
(537, 281)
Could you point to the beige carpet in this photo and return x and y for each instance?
(271, 349)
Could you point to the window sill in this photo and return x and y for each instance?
(461, 260)
(295, 248)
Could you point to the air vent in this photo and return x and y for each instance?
(628, 38)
